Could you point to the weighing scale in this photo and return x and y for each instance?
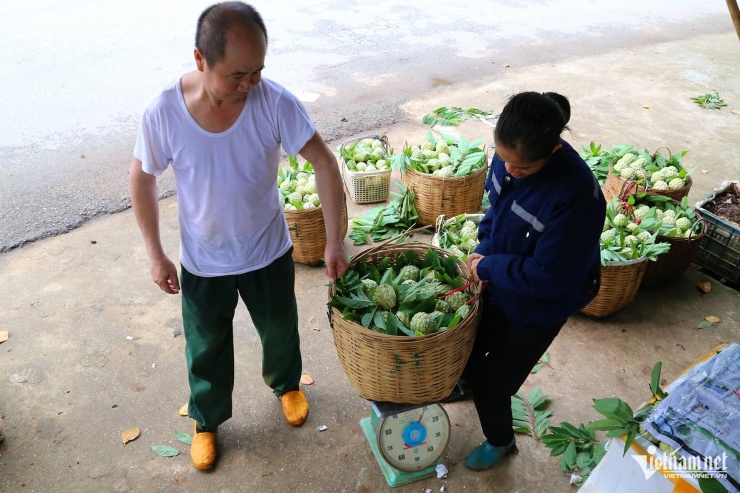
(407, 439)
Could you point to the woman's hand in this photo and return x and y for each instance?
(472, 262)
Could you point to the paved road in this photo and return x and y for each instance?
(78, 73)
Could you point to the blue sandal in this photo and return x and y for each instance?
(486, 455)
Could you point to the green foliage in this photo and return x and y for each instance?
(600, 160)
(617, 246)
(384, 222)
(449, 117)
(709, 101)
(465, 157)
(530, 415)
(544, 361)
(580, 449)
(658, 392)
(410, 297)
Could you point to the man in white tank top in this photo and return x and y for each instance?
(221, 128)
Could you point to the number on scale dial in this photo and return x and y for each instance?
(414, 440)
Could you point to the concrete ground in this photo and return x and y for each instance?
(96, 348)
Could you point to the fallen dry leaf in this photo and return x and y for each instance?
(647, 106)
(4, 335)
(704, 286)
(737, 112)
(183, 410)
(130, 434)
(712, 319)
(306, 380)
(705, 171)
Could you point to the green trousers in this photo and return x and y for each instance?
(208, 305)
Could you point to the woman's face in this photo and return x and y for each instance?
(516, 166)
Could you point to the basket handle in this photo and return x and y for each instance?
(670, 154)
(701, 231)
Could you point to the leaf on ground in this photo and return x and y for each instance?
(183, 437)
(165, 450)
(4, 335)
(130, 434)
(704, 286)
(306, 380)
(712, 319)
(536, 369)
(737, 112)
(704, 324)
(705, 171)
(647, 106)
(183, 410)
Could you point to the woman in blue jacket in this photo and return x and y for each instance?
(538, 253)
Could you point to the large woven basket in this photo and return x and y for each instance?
(615, 184)
(449, 196)
(619, 284)
(673, 263)
(308, 232)
(402, 369)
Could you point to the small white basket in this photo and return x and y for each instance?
(365, 188)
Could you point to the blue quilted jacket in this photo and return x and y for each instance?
(540, 239)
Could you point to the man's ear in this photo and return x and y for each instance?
(557, 146)
(200, 60)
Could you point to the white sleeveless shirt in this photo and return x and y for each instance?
(231, 216)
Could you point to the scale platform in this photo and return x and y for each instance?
(407, 440)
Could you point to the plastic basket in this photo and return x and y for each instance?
(402, 369)
(366, 187)
(308, 232)
(719, 251)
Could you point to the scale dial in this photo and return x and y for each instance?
(414, 440)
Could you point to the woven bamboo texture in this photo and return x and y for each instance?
(615, 185)
(403, 369)
(619, 284)
(672, 264)
(449, 196)
(308, 232)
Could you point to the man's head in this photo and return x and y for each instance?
(215, 21)
(230, 48)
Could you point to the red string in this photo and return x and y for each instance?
(461, 288)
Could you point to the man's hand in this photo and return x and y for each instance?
(335, 259)
(164, 274)
(472, 262)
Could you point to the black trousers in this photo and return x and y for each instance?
(502, 357)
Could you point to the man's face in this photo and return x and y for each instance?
(231, 78)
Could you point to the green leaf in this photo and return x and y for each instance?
(545, 358)
(710, 485)
(165, 450)
(183, 437)
(605, 424)
(655, 381)
(630, 438)
(613, 407)
(355, 304)
(536, 369)
(569, 457)
(704, 325)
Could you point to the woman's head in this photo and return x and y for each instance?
(528, 130)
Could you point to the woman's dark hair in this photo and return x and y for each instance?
(531, 124)
(215, 21)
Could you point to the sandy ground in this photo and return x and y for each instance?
(95, 348)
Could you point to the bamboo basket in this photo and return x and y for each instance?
(614, 184)
(403, 369)
(450, 196)
(308, 232)
(619, 284)
(673, 263)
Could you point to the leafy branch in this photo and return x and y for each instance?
(709, 101)
(450, 117)
(530, 415)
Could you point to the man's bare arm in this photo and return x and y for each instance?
(145, 202)
(329, 188)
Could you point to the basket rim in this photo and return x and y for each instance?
(358, 257)
(639, 260)
(650, 190)
(449, 178)
(366, 173)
